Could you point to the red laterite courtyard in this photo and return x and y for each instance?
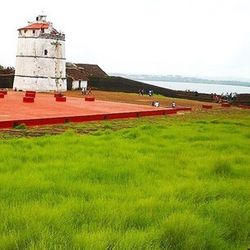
(16, 109)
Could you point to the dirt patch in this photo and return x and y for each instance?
(134, 98)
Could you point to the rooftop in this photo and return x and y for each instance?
(45, 29)
(36, 26)
(81, 71)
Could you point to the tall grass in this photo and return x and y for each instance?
(162, 185)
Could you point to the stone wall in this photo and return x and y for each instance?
(6, 80)
(121, 84)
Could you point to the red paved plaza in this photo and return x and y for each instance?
(46, 110)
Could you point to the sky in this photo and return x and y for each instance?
(203, 38)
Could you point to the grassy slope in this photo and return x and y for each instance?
(171, 183)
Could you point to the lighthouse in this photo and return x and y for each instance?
(40, 59)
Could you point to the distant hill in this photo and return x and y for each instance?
(178, 78)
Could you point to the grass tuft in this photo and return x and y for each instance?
(187, 231)
(222, 168)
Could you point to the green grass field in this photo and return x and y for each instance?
(159, 183)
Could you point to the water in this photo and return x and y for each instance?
(201, 87)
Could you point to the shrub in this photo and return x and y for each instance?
(20, 126)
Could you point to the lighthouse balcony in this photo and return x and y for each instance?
(58, 36)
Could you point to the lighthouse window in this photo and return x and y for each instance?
(42, 30)
(45, 52)
(34, 32)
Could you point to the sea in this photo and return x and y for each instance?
(207, 88)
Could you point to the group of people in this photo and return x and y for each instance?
(86, 90)
(156, 104)
(142, 92)
(224, 97)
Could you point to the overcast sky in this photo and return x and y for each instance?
(186, 37)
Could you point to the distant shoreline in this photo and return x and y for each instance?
(181, 79)
(206, 88)
(230, 83)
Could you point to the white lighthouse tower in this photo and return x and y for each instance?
(40, 59)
